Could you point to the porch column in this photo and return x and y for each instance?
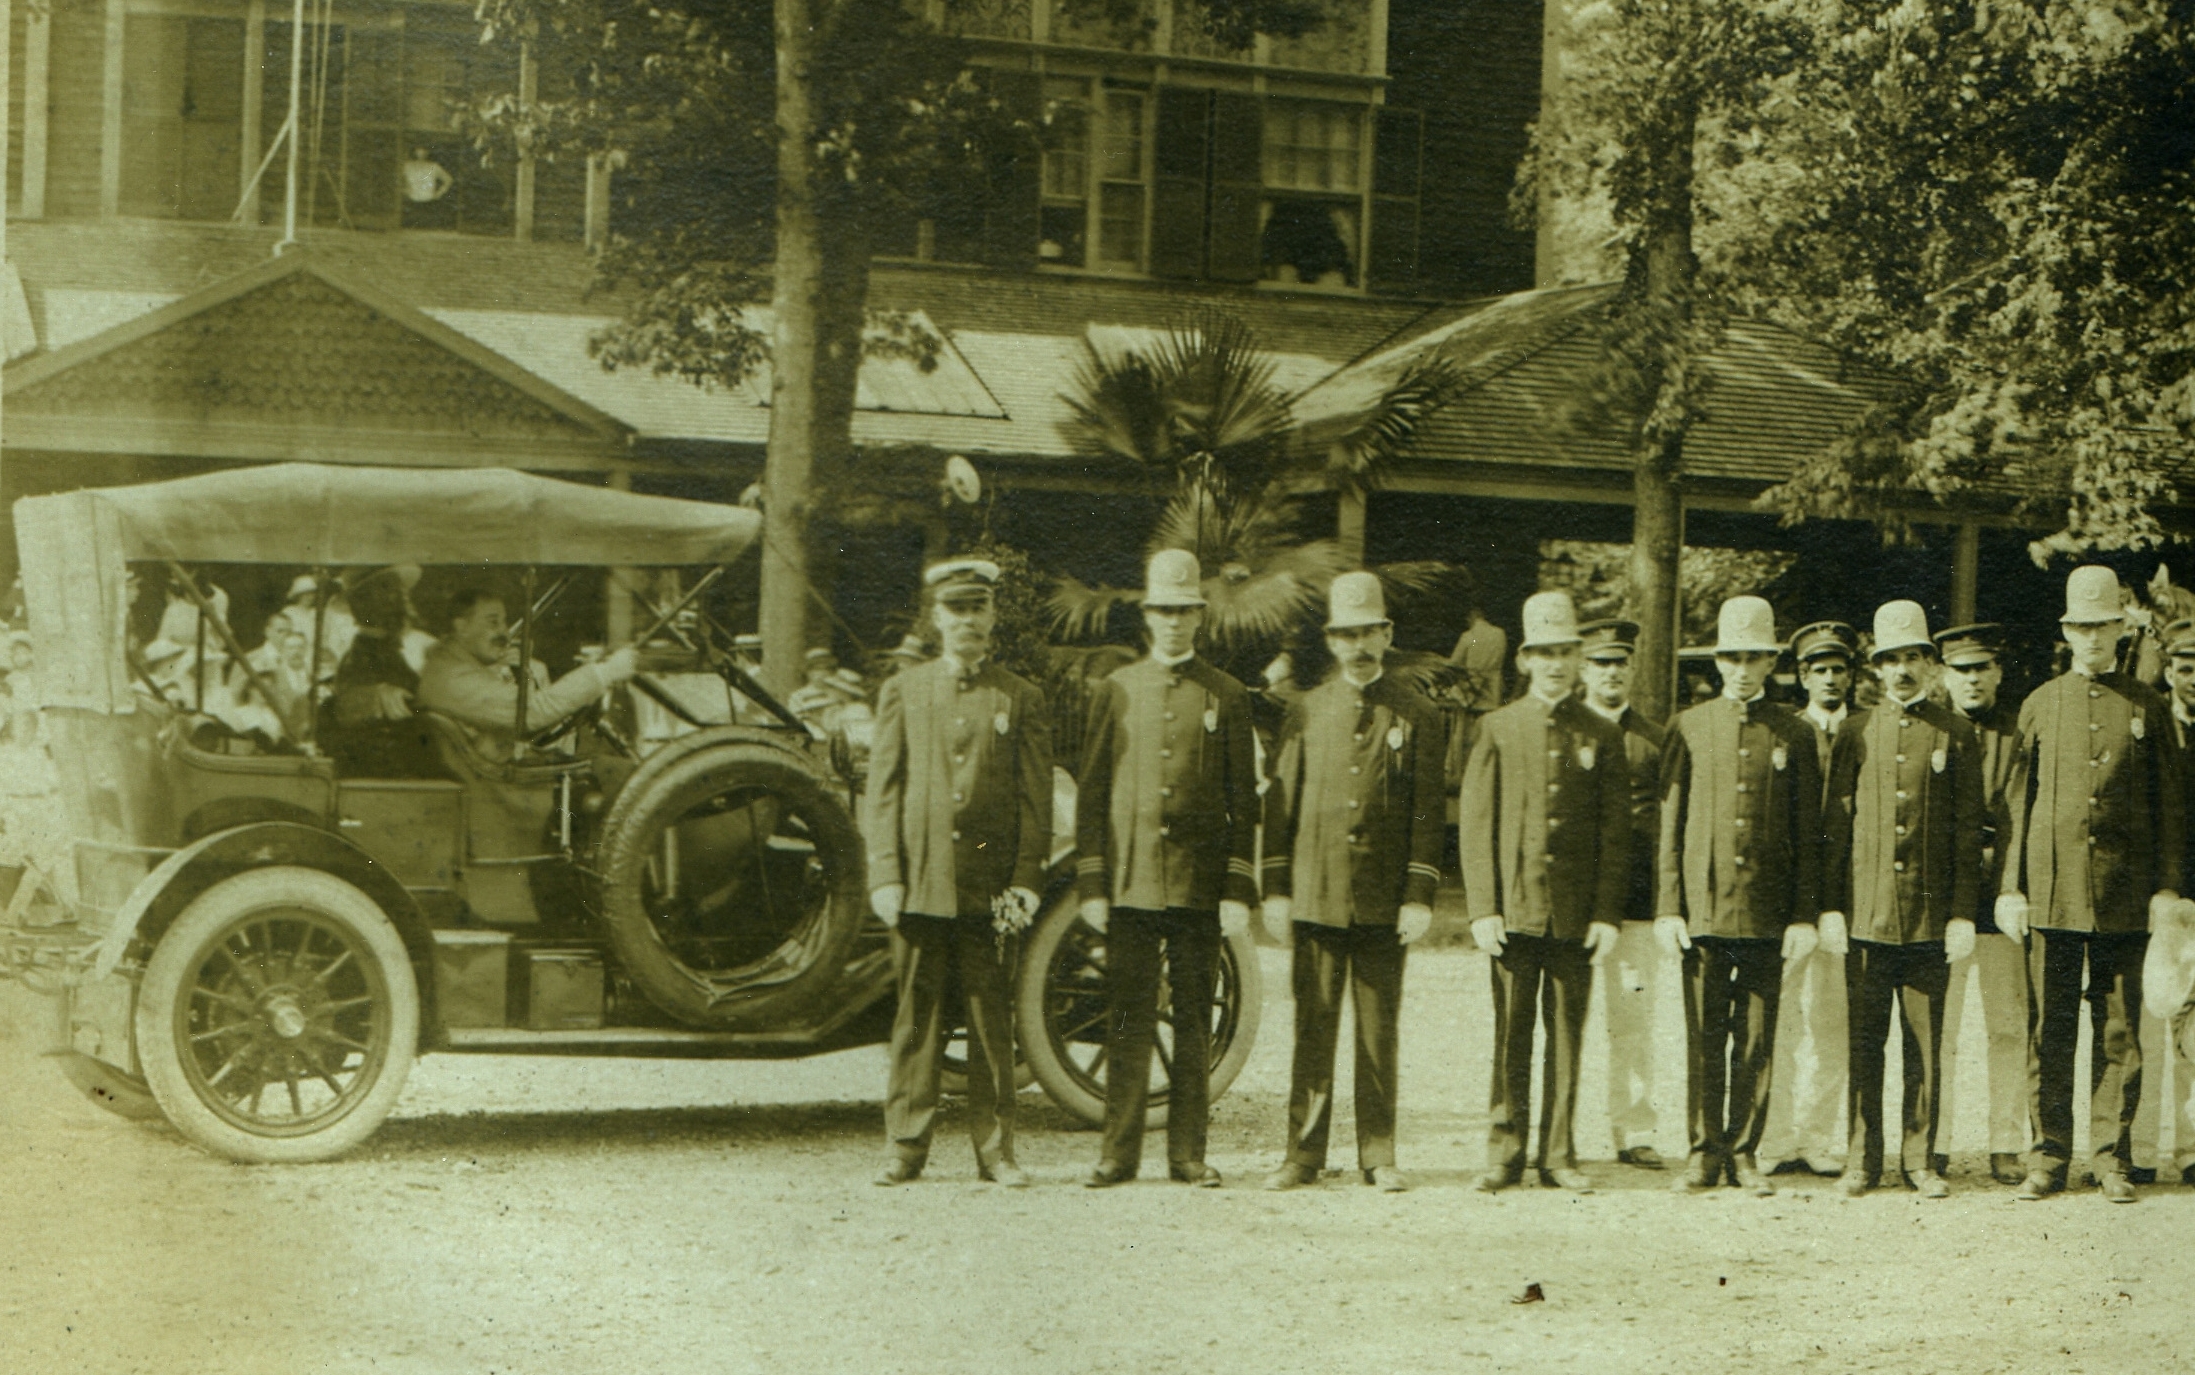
(37, 64)
(529, 82)
(110, 114)
(1966, 571)
(251, 149)
(1349, 526)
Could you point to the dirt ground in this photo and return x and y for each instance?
(593, 1216)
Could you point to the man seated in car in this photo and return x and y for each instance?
(471, 676)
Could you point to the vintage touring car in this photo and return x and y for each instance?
(260, 936)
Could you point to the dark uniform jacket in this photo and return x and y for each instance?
(1354, 815)
(1642, 742)
(1997, 733)
(1166, 811)
(2098, 818)
(1741, 836)
(1546, 818)
(1905, 819)
(960, 788)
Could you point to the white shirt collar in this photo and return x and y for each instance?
(1175, 662)
(1828, 720)
(1726, 692)
(1550, 702)
(1377, 674)
(963, 670)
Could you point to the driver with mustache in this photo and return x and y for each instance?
(471, 676)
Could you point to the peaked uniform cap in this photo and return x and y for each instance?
(1901, 625)
(2180, 638)
(1173, 578)
(957, 572)
(1609, 639)
(750, 640)
(2092, 596)
(819, 654)
(909, 647)
(1355, 599)
(1968, 646)
(1824, 639)
(1746, 625)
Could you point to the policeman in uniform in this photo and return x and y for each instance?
(1904, 865)
(1973, 670)
(1739, 874)
(1546, 826)
(1353, 823)
(1811, 1033)
(1165, 824)
(1632, 980)
(2095, 849)
(2161, 1019)
(959, 821)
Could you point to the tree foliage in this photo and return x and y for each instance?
(1990, 202)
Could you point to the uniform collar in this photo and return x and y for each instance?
(2180, 712)
(1550, 703)
(1175, 665)
(1612, 714)
(960, 670)
(1366, 685)
(1908, 707)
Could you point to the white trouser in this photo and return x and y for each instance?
(1631, 983)
(1806, 1096)
(1999, 967)
(2167, 1076)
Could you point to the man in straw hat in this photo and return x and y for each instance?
(1353, 832)
(1546, 824)
(1739, 876)
(1165, 825)
(2168, 1076)
(2093, 854)
(1807, 1091)
(1905, 850)
(1973, 671)
(959, 823)
(1633, 978)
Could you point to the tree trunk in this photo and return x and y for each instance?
(1657, 539)
(820, 289)
(1657, 519)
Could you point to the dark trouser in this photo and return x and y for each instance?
(2114, 996)
(1368, 959)
(1132, 955)
(1731, 988)
(1917, 977)
(933, 957)
(1536, 978)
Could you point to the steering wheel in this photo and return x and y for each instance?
(593, 717)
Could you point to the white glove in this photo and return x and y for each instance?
(2012, 915)
(1413, 921)
(2160, 907)
(885, 902)
(1958, 939)
(1279, 915)
(1671, 932)
(1234, 919)
(1095, 912)
(1600, 938)
(1799, 940)
(1492, 933)
(1833, 932)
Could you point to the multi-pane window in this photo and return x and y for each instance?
(1311, 216)
(1095, 177)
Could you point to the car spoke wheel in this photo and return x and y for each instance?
(1061, 1008)
(279, 1017)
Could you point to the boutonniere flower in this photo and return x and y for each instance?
(1586, 755)
(1939, 759)
(1211, 720)
(1001, 723)
(1780, 757)
(2136, 726)
(1395, 736)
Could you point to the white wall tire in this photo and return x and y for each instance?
(278, 1017)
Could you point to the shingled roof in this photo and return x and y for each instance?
(1775, 395)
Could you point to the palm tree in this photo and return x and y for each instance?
(1200, 411)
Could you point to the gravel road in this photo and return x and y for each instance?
(531, 1215)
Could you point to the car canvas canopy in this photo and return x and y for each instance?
(74, 546)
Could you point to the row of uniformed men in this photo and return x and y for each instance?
(1738, 838)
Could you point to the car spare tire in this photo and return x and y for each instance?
(730, 881)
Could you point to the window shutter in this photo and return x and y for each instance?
(1238, 186)
(1181, 149)
(1013, 191)
(1397, 150)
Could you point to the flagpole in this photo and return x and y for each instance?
(297, 64)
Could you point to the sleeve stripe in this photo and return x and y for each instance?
(1090, 864)
(1426, 869)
